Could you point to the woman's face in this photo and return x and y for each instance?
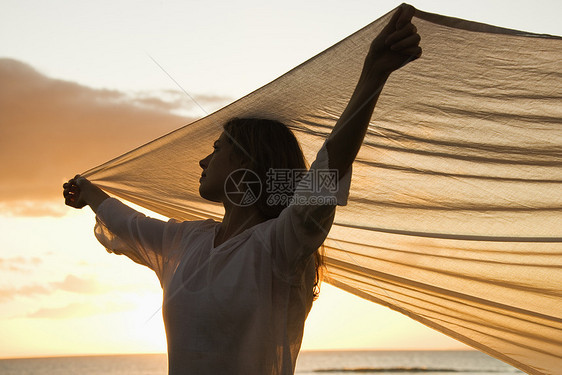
(217, 166)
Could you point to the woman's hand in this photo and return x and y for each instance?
(79, 192)
(395, 46)
(73, 192)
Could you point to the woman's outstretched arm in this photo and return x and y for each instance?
(122, 230)
(394, 47)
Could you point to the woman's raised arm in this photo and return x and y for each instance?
(394, 47)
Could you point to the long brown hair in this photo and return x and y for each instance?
(269, 144)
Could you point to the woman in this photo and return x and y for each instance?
(237, 292)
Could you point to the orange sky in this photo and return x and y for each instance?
(60, 292)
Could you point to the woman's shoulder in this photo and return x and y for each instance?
(195, 225)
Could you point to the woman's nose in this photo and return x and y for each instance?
(204, 162)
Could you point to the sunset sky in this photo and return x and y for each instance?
(82, 82)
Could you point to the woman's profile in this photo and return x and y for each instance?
(237, 292)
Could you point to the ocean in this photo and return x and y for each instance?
(309, 363)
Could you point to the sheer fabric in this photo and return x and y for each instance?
(454, 214)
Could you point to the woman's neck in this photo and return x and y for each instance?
(236, 220)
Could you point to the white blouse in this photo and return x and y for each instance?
(240, 307)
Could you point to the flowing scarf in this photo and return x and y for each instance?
(455, 211)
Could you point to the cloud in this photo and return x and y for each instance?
(78, 310)
(29, 290)
(18, 264)
(201, 105)
(76, 284)
(32, 208)
(71, 283)
(52, 129)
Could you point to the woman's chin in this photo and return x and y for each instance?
(205, 194)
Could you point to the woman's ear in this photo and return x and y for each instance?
(241, 160)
